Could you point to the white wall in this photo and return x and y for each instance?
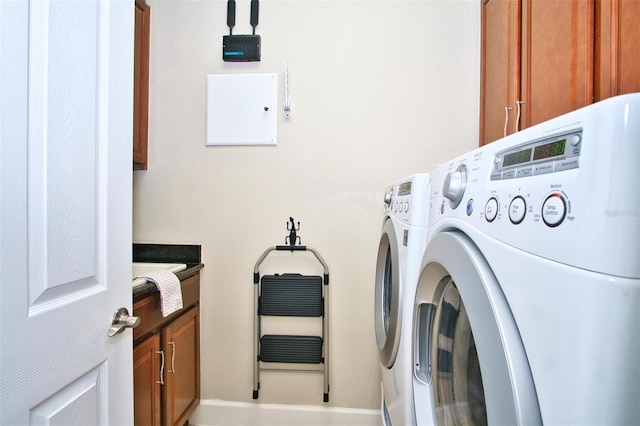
(379, 90)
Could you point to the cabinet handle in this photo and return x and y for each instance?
(506, 119)
(518, 115)
(161, 381)
(173, 358)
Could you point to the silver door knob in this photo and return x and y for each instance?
(122, 320)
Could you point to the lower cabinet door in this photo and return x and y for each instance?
(147, 361)
(182, 365)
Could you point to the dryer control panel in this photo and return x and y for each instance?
(547, 155)
(566, 189)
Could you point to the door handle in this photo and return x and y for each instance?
(161, 381)
(122, 320)
(173, 358)
(518, 116)
(506, 119)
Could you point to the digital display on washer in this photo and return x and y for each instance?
(404, 189)
(517, 157)
(549, 150)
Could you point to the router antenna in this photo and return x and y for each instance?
(254, 15)
(231, 15)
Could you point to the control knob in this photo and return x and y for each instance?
(554, 210)
(454, 186)
(517, 210)
(387, 198)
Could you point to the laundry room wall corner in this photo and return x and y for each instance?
(379, 90)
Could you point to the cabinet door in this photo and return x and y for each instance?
(146, 382)
(617, 34)
(141, 85)
(182, 364)
(557, 58)
(500, 68)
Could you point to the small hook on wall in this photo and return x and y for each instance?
(287, 100)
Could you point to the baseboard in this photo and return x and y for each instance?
(214, 412)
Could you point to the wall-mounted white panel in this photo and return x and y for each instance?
(241, 109)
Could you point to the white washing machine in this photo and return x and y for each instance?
(527, 309)
(400, 254)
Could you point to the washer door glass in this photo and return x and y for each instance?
(387, 291)
(387, 297)
(459, 391)
(470, 364)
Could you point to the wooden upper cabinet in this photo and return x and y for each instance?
(557, 58)
(141, 85)
(544, 58)
(617, 62)
(537, 62)
(500, 67)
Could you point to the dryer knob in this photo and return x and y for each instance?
(554, 210)
(454, 186)
(387, 198)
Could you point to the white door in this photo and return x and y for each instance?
(66, 70)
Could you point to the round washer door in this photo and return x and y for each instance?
(387, 296)
(466, 342)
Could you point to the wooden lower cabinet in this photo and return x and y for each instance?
(146, 382)
(182, 361)
(166, 360)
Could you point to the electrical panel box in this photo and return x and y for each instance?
(242, 109)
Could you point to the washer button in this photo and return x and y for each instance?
(491, 209)
(575, 139)
(517, 210)
(554, 210)
(470, 207)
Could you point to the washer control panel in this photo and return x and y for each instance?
(407, 199)
(397, 199)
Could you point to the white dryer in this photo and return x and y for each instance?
(400, 254)
(527, 309)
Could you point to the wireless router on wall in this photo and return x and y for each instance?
(244, 47)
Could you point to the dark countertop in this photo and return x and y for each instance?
(166, 253)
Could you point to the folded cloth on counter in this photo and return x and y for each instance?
(170, 290)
